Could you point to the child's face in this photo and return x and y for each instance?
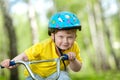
(64, 39)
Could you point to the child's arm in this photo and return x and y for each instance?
(21, 56)
(6, 62)
(75, 64)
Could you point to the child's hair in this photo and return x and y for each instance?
(56, 30)
(63, 21)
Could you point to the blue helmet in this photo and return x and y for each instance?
(64, 20)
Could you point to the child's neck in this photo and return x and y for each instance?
(58, 51)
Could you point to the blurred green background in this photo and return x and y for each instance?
(25, 22)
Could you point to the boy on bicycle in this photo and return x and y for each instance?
(62, 30)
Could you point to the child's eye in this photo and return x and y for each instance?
(61, 36)
(70, 37)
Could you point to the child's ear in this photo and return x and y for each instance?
(52, 35)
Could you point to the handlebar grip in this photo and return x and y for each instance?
(65, 57)
(12, 63)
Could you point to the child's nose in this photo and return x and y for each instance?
(65, 40)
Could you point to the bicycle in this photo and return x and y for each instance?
(26, 64)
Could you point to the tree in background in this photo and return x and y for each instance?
(8, 25)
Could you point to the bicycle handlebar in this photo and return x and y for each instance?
(26, 64)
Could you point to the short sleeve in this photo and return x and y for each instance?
(77, 49)
(33, 52)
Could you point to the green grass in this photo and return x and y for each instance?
(88, 75)
(2, 78)
(109, 75)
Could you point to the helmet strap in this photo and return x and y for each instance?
(60, 53)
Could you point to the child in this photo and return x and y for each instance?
(62, 31)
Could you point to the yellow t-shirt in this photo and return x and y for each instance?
(46, 50)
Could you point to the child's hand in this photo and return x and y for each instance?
(6, 64)
(71, 56)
